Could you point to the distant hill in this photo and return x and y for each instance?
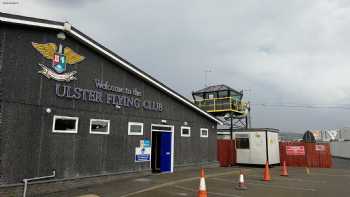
(290, 136)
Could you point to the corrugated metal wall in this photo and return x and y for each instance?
(2, 44)
(313, 157)
(29, 148)
(226, 152)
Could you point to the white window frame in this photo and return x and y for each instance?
(135, 123)
(55, 117)
(204, 129)
(97, 132)
(185, 135)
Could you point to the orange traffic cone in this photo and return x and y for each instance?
(202, 192)
(241, 183)
(284, 171)
(267, 176)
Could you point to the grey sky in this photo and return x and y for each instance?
(285, 52)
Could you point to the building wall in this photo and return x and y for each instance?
(340, 149)
(28, 146)
(344, 133)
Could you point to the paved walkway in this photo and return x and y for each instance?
(221, 182)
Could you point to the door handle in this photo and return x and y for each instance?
(167, 153)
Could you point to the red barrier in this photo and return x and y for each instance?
(226, 152)
(314, 155)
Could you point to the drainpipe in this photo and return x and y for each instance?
(35, 179)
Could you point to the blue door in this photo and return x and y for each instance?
(165, 152)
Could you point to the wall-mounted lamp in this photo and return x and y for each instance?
(48, 110)
(185, 123)
(163, 121)
(117, 106)
(61, 36)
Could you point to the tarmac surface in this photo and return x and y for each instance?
(222, 182)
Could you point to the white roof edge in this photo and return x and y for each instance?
(32, 23)
(115, 58)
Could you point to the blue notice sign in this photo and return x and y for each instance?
(146, 143)
(144, 157)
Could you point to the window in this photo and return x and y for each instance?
(204, 132)
(65, 124)
(135, 128)
(242, 141)
(98, 126)
(223, 94)
(185, 131)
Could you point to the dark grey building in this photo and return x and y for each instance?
(70, 104)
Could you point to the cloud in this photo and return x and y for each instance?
(283, 51)
(63, 4)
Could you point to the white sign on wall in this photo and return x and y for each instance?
(295, 150)
(320, 147)
(142, 154)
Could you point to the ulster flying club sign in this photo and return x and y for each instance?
(104, 91)
(60, 58)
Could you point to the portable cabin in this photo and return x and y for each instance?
(257, 145)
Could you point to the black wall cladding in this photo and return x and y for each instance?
(29, 148)
(2, 41)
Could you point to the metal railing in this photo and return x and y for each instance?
(36, 179)
(226, 104)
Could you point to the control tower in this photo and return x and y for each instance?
(226, 104)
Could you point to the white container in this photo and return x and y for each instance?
(340, 149)
(255, 146)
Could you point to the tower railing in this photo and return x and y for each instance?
(225, 104)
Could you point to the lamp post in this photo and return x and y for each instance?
(247, 120)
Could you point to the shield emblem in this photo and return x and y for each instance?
(59, 63)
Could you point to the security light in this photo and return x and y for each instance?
(61, 36)
(48, 110)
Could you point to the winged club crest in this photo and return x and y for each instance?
(60, 59)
